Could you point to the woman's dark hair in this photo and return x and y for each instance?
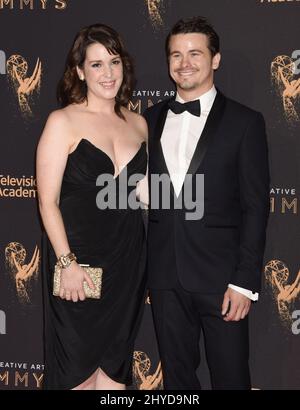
(195, 25)
(71, 89)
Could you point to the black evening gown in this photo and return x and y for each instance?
(80, 337)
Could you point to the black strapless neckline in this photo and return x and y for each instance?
(88, 142)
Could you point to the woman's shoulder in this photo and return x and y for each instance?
(57, 125)
(59, 117)
(63, 119)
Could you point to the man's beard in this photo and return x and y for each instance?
(186, 85)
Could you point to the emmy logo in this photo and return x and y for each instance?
(2, 323)
(141, 372)
(284, 293)
(24, 85)
(2, 62)
(283, 71)
(22, 273)
(155, 12)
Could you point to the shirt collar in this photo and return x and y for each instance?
(206, 99)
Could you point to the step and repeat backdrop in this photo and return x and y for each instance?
(260, 43)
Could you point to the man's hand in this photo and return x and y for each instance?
(239, 305)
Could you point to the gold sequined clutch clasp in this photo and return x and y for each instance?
(94, 273)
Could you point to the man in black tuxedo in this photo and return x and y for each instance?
(203, 273)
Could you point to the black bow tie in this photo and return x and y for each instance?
(193, 107)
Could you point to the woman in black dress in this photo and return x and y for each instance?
(89, 342)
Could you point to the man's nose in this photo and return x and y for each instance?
(185, 62)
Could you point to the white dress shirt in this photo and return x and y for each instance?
(179, 140)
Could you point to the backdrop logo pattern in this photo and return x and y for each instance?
(284, 201)
(20, 374)
(143, 99)
(283, 72)
(17, 187)
(275, 2)
(143, 379)
(156, 9)
(22, 83)
(32, 4)
(22, 273)
(284, 291)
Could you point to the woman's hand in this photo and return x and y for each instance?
(71, 282)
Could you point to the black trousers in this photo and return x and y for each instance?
(179, 318)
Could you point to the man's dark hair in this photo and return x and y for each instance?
(195, 25)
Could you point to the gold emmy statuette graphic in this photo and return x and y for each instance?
(155, 13)
(287, 86)
(277, 274)
(15, 255)
(141, 368)
(23, 85)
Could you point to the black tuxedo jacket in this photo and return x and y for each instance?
(227, 244)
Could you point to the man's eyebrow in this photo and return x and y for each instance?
(196, 50)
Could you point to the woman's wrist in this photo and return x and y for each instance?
(64, 261)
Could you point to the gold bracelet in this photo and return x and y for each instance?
(64, 261)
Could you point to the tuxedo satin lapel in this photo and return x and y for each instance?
(161, 121)
(157, 143)
(211, 126)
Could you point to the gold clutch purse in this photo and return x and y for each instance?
(94, 273)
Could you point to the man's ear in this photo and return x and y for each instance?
(216, 61)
